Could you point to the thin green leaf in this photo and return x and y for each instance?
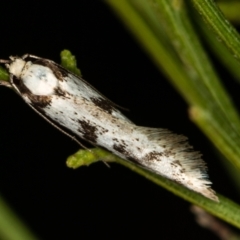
(215, 19)
(220, 50)
(4, 76)
(69, 62)
(191, 72)
(195, 77)
(11, 228)
(230, 9)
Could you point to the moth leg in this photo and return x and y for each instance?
(4, 61)
(5, 84)
(106, 164)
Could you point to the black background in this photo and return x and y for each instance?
(92, 202)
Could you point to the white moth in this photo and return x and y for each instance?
(70, 103)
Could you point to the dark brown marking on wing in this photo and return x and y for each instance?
(40, 101)
(103, 104)
(122, 149)
(36, 100)
(21, 87)
(59, 92)
(153, 156)
(177, 163)
(88, 131)
(102, 130)
(167, 153)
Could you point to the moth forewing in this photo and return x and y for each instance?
(69, 102)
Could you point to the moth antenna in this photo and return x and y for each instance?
(27, 55)
(106, 164)
(4, 61)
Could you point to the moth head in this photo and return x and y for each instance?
(37, 78)
(16, 66)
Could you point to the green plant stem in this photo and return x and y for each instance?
(225, 209)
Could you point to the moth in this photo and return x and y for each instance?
(72, 105)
